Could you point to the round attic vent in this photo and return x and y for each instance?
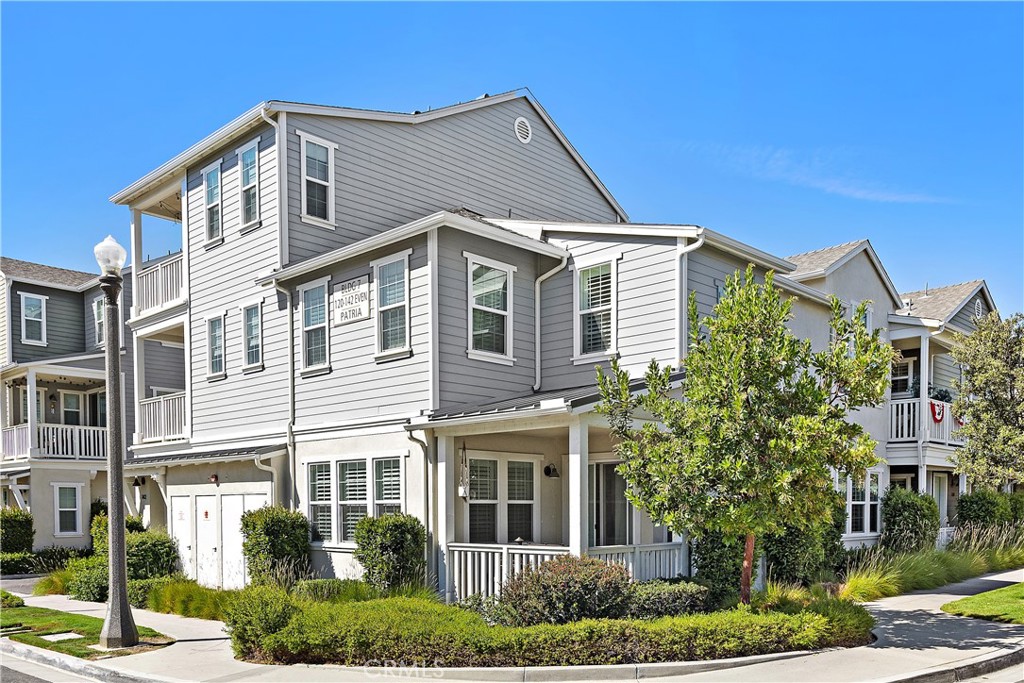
(523, 130)
(978, 310)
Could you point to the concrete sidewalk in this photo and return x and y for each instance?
(916, 641)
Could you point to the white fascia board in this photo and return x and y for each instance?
(489, 418)
(532, 227)
(390, 116)
(801, 290)
(746, 251)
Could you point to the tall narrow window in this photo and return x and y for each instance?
(387, 477)
(490, 308)
(317, 180)
(97, 316)
(314, 326)
(249, 183)
(483, 501)
(863, 503)
(902, 376)
(392, 281)
(252, 335)
(320, 500)
(520, 501)
(66, 508)
(211, 195)
(40, 395)
(595, 322)
(33, 319)
(71, 408)
(215, 346)
(352, 496)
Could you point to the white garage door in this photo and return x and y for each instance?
(231, 508)
(181, 531)
(207, 557)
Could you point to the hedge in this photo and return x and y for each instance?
(659, 598)
(275, 539)
(910, 521)
(16, 532)
(267, 625)
(565, 589)
(17, 563)
(983, 508)
(391, 550)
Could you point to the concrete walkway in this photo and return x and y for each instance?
(914, 638)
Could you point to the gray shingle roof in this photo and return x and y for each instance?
(821, 259)
(214, 454)
(937, 303)
(27, 270)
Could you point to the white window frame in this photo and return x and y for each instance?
(308, 370)
(579, 358)
(406, 350)
(210, 374)
(43, 298)
(57, 509)
(23, 406)
(503, 501)
(866, 503)
(910, 379)
(248, 367)
(81, 406)
(331, 505)
(331, 146)
(257, 221)
(98, 322)
(219, 238)
(506, 358)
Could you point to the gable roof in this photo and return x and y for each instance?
(256, 116)
(812, 265)
(942, 303)
(41, 274)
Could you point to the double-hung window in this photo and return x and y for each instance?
(40, 398)
(391, 276)
(862, 502)
(67, 509)
(33, 319)
(252, 336)
(249, 183)
(363, 487)
(594, 323)
(212, 202)
(352, 497)
(902, 376)
(483, 501)
(315, 336)
(320, 500)
(71, 408)
(317, 180)
(520, 501)
(215, 346)
(502, 501)
(98, 308)
(490, 309)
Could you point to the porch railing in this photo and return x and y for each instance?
(645, 562)
(162, 418)
(57, 441)
(944, 537)
(15, 441)
(159, 285)
(905, 421)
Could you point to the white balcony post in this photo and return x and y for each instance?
(924, 416)
(139, 372)
(447, 465)
(33, 426)
(579, 519)
(136, 246)
(5, 407)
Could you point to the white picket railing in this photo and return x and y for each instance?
(15, 441)
(162, 418)
(645, 562)
(944, 537)
(905, 421)
(159, 285)
(57, 441)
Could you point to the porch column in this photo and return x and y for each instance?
(137, 258)
(139, 381)
(447, 466)
(922, 479)
(923, 416)
(579, 519)
(32, 399)
(5, 407)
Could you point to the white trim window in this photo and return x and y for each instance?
(212, 202)
(387, 486)
(67, 509)
(317, 158)
(594, 298)
(352, 497)
(252, 336)
(320, 501)
(503, 503)
(249, 184)
(391, 278)
(98, 307)
(863, 502)
(33, 319)
(71, 408)
(902, 376)
(40, 400)
(316, 338)
(489, 286)
(215, 361)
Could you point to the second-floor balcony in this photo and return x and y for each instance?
(159, 285)
(162, 418)
(75, 442)
(937, 425)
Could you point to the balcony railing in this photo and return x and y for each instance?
(162, 418)
(905, 422)
(159, 285)
(645, 562)
(56, 441)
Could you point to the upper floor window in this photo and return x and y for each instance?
(33, 319)
(211, 199)
(249, 183)
(40, 399)
(71, 408)
(490, 309)
(215, 346)
(391, 276)
(252, 336)
(902, 376)
(315, 338)
(98, 308)
(594, 323)
(317, 180)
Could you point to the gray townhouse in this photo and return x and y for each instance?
(53, 416)
(388, 312)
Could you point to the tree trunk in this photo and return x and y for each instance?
(748, 568)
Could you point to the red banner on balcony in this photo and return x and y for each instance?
(938, 410)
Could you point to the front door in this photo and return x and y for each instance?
(231, 508)
(940, 491)
(207, 558)
(181, 531)
(611, 515)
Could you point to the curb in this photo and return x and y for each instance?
(80, 667)
(969, 668)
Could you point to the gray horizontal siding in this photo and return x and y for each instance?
(64, 321)
(387, 174)
(964, 318)
(946, 372)
(164, 367)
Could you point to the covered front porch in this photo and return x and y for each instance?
(517, 490)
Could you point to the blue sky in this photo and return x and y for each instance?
(788, 126)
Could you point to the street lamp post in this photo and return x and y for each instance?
(119, 625)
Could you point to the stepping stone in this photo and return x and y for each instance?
(57, 637)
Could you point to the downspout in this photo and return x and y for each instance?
(682, 309)
(258, 461)
(293, 493)
(536, 320)
(428, 490)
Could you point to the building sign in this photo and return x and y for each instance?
(352, 300)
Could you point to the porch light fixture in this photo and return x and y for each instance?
(53, 403)
(214, 478)
(551, 471)
(137, 482)
(110, 256)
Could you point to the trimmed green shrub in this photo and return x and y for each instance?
(16, 532)
(983, 508)
(1016, 501)
(718, 564)
(8, 600)
(847, 622)
(659, 598)
(910, 521)
(134, 523)
(795, 556)
(98, 530)
(564, 589)
(178, 595)
(256, 613)
(151, 554)
(56, 557)
(139, 590)
(274, 536)
(391, 550)
(17, 563)
(335, 590)
(90, 584)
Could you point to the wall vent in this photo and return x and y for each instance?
(978, 310)
(523, 130)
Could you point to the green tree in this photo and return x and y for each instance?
(747, 446)
(991, 400)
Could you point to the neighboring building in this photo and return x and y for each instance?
(415, 328)
(53, 404)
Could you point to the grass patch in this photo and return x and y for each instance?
(42, 622)
(1003, 604)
